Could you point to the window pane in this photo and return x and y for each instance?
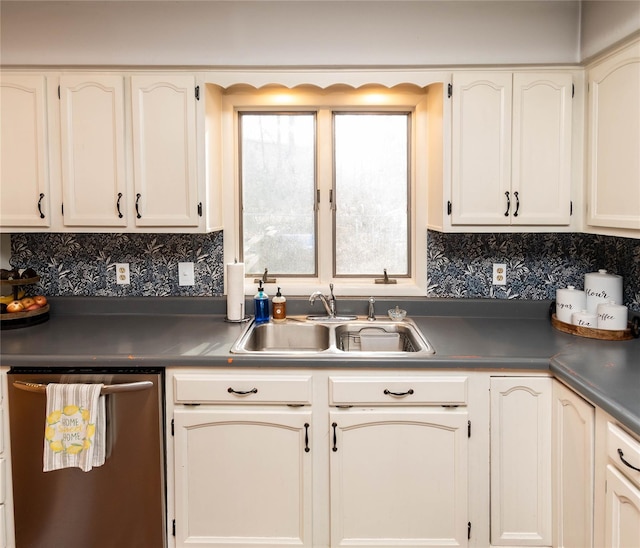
(278, 187)
(371, 182)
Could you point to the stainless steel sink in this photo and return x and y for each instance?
(378, 336)
(298, 336)
(288, 337)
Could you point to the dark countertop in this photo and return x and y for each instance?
(485, 334)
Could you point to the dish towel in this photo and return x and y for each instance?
(75, 429)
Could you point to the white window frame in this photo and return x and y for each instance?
(305, 98)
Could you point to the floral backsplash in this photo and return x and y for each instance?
(458, 265)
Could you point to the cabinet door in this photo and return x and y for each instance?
(164, 151)
(481, 155)
(520, 461)
(614, 141)
(92, 144)
(541, 160)
(242, 478)
(573, 465)
(623, 511)
(398, 478)
(24, 173)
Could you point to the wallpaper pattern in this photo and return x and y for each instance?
(458, 265)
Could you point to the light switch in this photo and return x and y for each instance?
(185, 274)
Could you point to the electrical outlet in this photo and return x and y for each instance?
(122, 274)
(185, 274)
(499, 274)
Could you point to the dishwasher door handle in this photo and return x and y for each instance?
(106, 389)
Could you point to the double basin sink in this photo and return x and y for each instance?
(338, 336)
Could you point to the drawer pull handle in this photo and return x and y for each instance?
(621, 455)
(335, 437)
(242, 393)
(306, 437)
(407, 393)
(515, 213)
(506, 213)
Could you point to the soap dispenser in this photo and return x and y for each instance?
(279, 307)
(261, 305)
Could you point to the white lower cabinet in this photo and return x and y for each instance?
(621, 464)
(243, 477)
(242, 459)
(573, 465)
(623, 511)
(521, 506)
(399, 477)
(332, 458)
(296, 458)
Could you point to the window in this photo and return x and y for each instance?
(278, 185)
(325, 187)
(371, 215)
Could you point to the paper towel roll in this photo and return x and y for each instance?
(235, 291)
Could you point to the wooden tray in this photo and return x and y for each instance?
(631, 332)
(26, 318)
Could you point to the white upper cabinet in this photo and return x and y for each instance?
(511, 149)
(614, 141)
(164, 151)
(93, 150)
(24, 173)
(541, 135)
(481, 148)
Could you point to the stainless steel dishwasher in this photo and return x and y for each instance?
(119, 504)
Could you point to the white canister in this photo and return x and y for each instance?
(568, 301)
(601, 287)
(612, 316)
(584, 319)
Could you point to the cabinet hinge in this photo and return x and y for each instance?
(197, 93)
(468, 429)
(448, 208)
(200, 209)
(449, 90)
(468, 530)
(173, 433)
(58, 92)
(173, 528)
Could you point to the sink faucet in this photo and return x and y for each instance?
(371, 316)
(328, 303)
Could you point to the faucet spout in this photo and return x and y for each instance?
(329, 303)
(318, 295)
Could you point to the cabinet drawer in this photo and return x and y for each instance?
(242, 389)
(398, 390)
(622, 448)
